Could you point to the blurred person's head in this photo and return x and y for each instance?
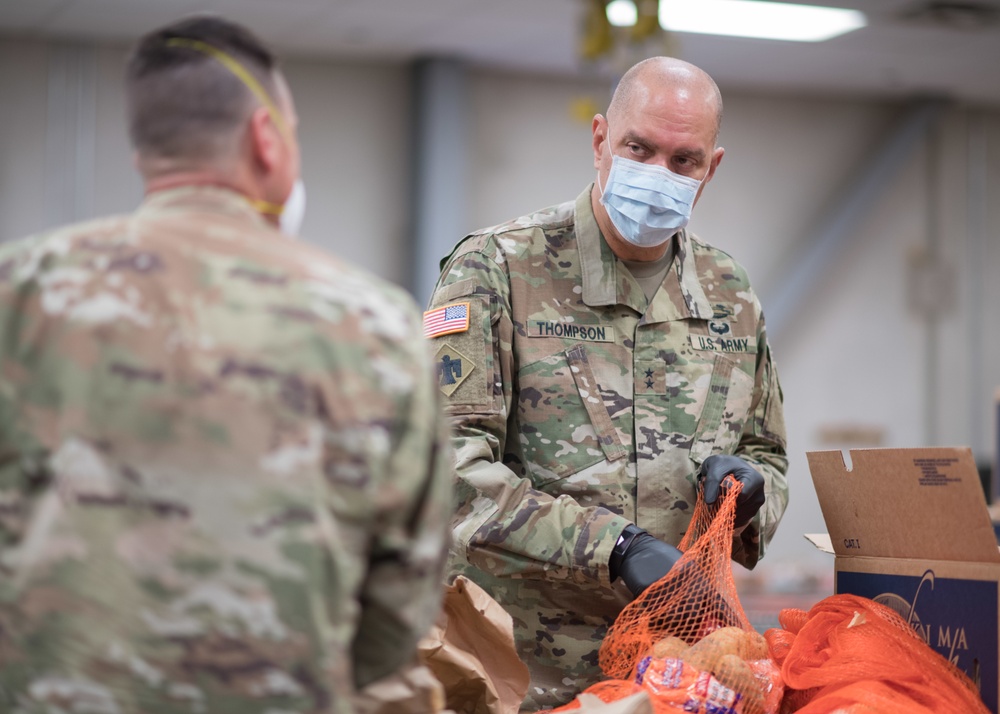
(208, 104)
(664, 113)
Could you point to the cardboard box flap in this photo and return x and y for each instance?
(904, 503)
(822, 541)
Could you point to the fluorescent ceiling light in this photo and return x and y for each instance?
(622, 13)
(766, 20)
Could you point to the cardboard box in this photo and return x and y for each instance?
(910, 529)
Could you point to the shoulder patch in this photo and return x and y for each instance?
(453, 368)
(446, 320)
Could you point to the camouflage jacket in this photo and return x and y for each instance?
(579, 407)
(224, 480)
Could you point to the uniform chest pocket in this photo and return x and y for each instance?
(563, 424)
(726, 409)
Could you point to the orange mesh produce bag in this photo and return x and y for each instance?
(697, 596)
(851, 655)
(692, 605)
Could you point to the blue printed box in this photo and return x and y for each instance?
(910, 529)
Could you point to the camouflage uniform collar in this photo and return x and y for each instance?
(597, 262)
(604, 284)
(682, 295)
(213, 198)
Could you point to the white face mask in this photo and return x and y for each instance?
(294, 211)
(646, 203)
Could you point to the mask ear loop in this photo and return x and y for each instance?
(251, 83)
(607, 142)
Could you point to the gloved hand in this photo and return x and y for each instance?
(714, 471)
(640, 559)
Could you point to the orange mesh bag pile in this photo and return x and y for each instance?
(851, 655)
(686, 640)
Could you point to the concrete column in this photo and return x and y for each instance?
(439, 167)
(977, 221)
(70, 134)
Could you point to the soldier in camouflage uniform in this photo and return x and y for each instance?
(224, 480)
(595, 381)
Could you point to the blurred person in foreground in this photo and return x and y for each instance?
(224, 480)
(601, 364)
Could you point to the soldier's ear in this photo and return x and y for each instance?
(716, 160)
(266, 141)
(599, 134)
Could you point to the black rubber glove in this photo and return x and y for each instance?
(714, 471)
(640, 559)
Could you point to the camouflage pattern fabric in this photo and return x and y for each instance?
(224, 480)
(579, 407)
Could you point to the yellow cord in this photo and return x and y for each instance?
(241, 73)
(255, 88)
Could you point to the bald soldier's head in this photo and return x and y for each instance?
(659, 73)
(664, 112)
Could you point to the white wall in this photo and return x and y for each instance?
(855, 355)
(23, 81)
(353, 133)
(527, 150)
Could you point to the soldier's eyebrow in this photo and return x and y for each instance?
(696, 154)
(632, 138)
(693, 153)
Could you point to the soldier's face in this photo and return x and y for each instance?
(671, 128)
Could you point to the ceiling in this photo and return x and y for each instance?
(953, 52)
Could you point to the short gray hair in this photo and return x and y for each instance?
(184, 103)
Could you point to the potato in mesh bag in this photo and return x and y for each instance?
(733, 671)
(670, 647)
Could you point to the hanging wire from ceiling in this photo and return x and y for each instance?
(619, 33)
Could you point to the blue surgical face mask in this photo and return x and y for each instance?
(646, 203)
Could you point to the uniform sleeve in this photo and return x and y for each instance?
(763, 446)
(24, 471)
(503, 525)
(22, 458)
(401, 596)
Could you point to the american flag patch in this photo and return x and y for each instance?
(446, 320)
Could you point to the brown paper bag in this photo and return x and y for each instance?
(412, 690)
(471, 652)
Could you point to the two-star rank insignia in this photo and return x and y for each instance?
(650, 377)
